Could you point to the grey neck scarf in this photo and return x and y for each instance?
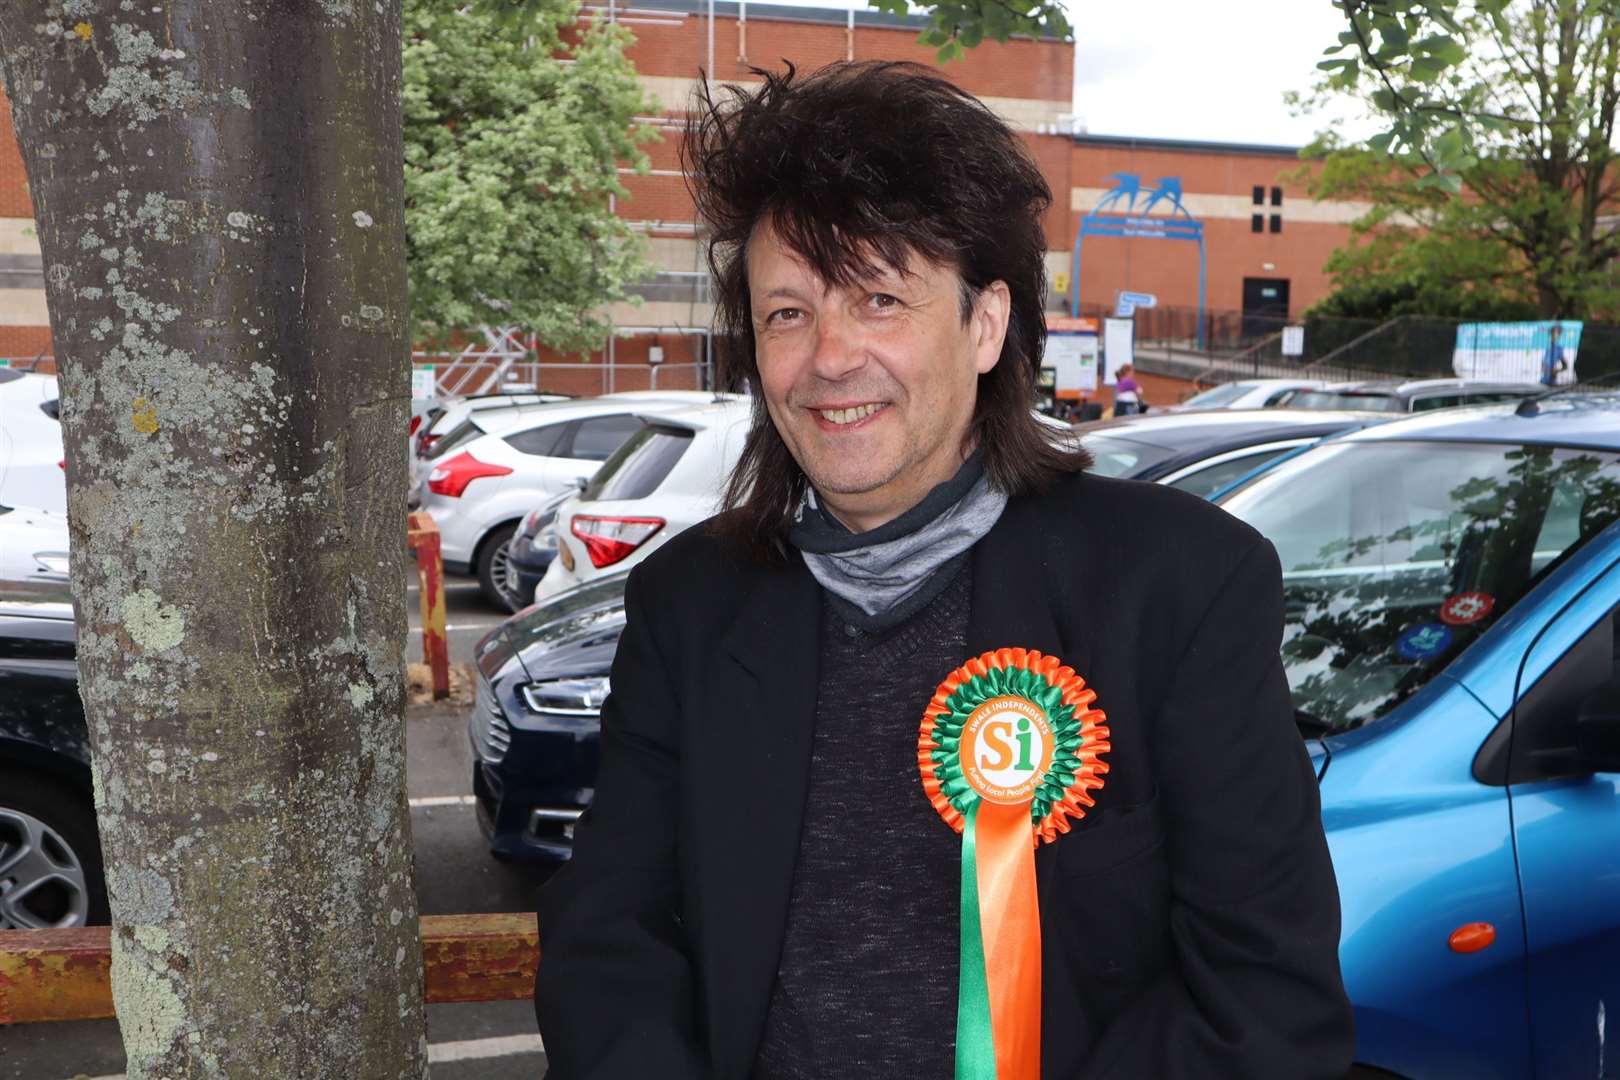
(880, 578)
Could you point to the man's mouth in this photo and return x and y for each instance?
(850, 414)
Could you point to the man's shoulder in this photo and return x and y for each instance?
(1143, 516)
(699, 564)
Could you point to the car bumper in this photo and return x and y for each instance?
(533, 821)
(458, 532)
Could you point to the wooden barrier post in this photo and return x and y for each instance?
(67, 974)
(423, 536)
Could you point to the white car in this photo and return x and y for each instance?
(499, 464)
(668, 477)
(1247, 394)
(31, 442)
(33, 553)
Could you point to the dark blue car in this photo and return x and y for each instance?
(542, 677)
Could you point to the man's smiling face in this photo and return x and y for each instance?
(871, 386)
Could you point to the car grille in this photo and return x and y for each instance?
(491, 733)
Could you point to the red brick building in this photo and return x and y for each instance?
(1264, 240)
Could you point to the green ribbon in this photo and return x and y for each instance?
(975, 1043)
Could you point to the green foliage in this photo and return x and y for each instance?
(955, 26)
(515, 124)
(1500, 121)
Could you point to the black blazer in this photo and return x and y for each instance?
(1190, 923)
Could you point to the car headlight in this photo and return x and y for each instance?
(52, 562)
(567, 697)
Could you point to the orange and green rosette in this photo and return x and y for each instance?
(1010, 752)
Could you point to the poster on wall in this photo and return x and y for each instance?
(1119, 347)
(1072, 353)
(423, 381)
(1519, 352)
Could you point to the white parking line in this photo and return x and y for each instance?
(499, 1046)
(443, 800)
(465, 1050)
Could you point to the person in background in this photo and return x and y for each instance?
(1552, 361)
(1127, 392)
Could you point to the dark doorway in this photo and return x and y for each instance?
(1265, 306)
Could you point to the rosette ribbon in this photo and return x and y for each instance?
(1009, 753)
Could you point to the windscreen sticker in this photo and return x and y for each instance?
(1465, 608)
(1423, 641)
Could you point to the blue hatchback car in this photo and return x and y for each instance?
(1452, 585)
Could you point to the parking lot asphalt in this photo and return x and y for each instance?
(454, 875)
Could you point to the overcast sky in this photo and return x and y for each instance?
(1198, 69)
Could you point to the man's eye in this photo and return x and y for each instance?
(883, 301)
(782, 315)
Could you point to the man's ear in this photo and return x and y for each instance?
(991, 310)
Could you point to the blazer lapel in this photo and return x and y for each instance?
(1012, 590)
(757, 744)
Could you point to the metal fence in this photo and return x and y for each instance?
(1239, 346)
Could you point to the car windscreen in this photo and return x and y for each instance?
(1216, 397)
(636, 468)
(1114, 456)
(1397, 555)
(1332, 399)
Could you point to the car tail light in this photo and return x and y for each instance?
(425, 443)
(609, 540)
(416, 422)
(452, 477)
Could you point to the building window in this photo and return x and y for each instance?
(1276, 222)
(1257, 223)
(1276, 196)
(1259, 195)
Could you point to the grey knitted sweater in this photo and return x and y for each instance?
(867, 981)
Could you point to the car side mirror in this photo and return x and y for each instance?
(582, 482)
(1597, 729)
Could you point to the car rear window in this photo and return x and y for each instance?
(541, 441)
(52, 408)
(1113, 456)
(9, 374)
(464, 432)
(599, 436)
(1220, 395)
(637, 468)
(1331, 399)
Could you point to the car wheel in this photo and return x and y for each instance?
(50, 856)
(491, 568)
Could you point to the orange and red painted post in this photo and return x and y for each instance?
(423, 535)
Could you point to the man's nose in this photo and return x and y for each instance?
(838, 350)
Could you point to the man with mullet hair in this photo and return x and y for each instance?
(933, 754)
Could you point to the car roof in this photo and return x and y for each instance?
(1415, 386)
(699, 417)
(1585, 420)
(1257, 383)
(1193, 430)
(514, 417)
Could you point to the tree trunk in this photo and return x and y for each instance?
(217, 189)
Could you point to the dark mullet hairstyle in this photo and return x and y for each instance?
(860, 166)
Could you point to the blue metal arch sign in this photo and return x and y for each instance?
(1105, 220)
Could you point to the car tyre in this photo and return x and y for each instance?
(491, 566)
(57, 824)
